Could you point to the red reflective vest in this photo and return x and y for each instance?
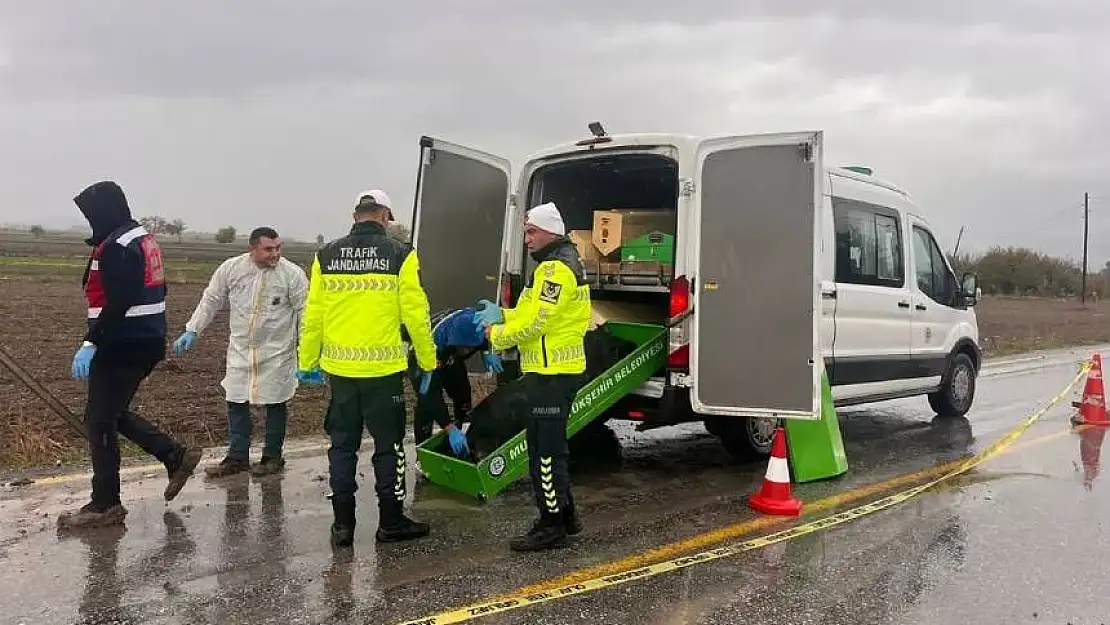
(147, 317)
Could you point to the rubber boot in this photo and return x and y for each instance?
(547, 533)
(343, 527)
(394, 526)
(571, 523)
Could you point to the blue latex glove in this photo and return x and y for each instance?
(82, 361)
(314, 377)
(425, 382)
(457, 439)
(184, 342)
(489, 313)
(493, 362)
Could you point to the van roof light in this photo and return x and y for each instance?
(866, 171)
(599, 136)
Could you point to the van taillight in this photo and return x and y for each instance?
(680, 296)
(679, 358)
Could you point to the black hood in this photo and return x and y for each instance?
(105, 207)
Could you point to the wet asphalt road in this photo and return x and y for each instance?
(1021, 539)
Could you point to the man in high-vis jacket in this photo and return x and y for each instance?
(362, 288)
(548, 326)
(265, 295)
(125, 287)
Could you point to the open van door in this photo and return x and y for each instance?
(755, 349)
(462, 196)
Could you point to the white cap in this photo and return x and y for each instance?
(546, 217)
(375, 196)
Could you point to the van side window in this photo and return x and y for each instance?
(932, 274)
(868, 244)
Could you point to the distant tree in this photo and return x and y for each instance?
(37, 231)
(154, 224)
(225, 234)
(319, 239)
(176, 228)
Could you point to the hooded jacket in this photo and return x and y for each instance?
(128, 266)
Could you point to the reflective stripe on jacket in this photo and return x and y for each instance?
(550, 320)
(362, 288)
(145, 317)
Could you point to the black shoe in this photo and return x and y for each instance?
(571, 523)
(546, 533)
(92, 515)
(394, 526)
(181, 471)
(268, 466)
(226, 468)
(342, 535)
(343, 527)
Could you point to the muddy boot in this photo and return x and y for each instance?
(571, 523)
(267, 466)
(394, 526)
(181, 470)
(546, 533)
(343, 527)
(91, 515)
(226, 468)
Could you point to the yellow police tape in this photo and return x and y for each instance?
(511, 602)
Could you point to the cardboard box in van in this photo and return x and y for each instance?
(613, 228)
(583, 240)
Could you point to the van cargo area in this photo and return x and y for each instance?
(620, 209)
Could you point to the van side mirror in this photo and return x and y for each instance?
(969, 289)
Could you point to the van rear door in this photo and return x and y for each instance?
(462, 195)
(755, 348)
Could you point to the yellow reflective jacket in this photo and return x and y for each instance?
(362, 287)
(550, 320)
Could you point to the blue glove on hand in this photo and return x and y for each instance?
(82, 361)
(314, 377)
(488, 313)
(425, 382)
(457, 439)
(184, 342)
(493, 362)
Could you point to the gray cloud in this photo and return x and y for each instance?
(990, 112)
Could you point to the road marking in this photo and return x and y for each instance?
(631, 569)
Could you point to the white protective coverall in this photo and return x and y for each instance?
(266, 305)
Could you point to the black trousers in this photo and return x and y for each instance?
(112, 386)
(377, 404)
(431, 408)
(549, 399)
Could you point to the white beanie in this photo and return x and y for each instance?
(546, 217)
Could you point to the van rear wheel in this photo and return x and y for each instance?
(746, 439)
(957, 389)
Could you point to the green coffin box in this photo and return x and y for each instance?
(498, 470)
(653, 247)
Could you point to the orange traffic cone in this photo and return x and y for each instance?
(1092, 410)
(775, 497)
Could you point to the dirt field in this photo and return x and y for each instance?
(41, 322)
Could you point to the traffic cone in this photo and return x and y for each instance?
(775, 497)
(1092, 410)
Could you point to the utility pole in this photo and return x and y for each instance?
(1086, 219)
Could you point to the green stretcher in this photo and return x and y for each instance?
(498, 470)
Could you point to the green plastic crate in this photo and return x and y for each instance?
(654, 247)
(508, 462)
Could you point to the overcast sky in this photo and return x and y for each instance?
(993, 113)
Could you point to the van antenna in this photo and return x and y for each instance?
(958, 238)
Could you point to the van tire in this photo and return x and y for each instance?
(746, 439)
(957, 388)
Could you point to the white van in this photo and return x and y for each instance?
(778, 260)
